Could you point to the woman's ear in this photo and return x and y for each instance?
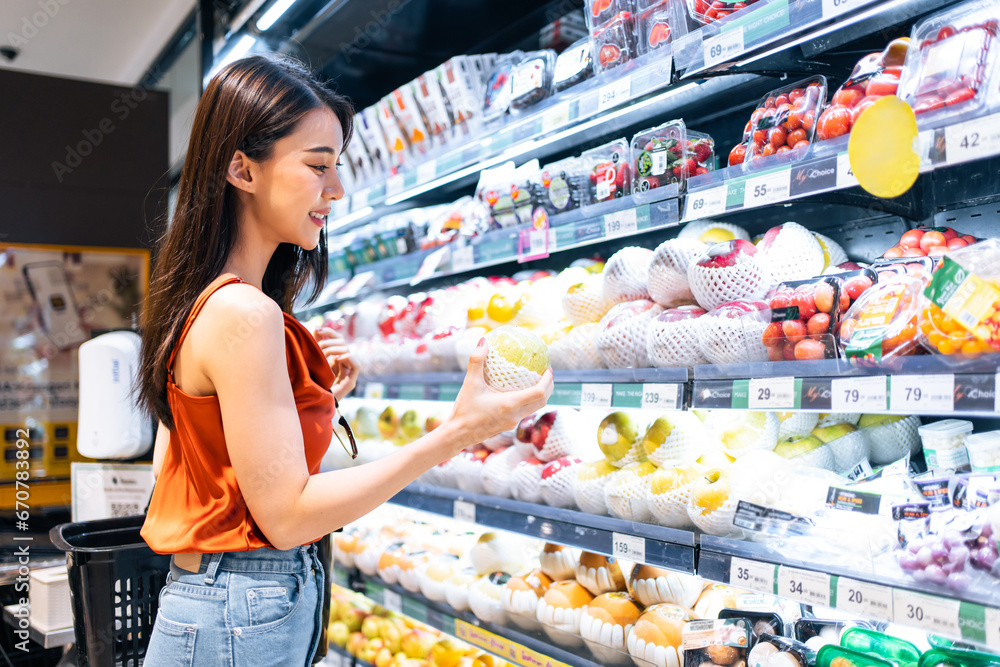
(240, 172)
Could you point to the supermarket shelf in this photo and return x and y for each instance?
(45, 638)
(515, 645)
(660, 388)
(655, 545)
(338, 657)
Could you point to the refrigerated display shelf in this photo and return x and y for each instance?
(655, 545)
(338, 657)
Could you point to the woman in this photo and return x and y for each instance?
(245, 395)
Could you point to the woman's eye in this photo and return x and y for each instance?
(321, 168)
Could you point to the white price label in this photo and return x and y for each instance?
(555, 117)
(864, 599)
(538, 242)
(706, 203)
(393, 601)
(374, 390)
(463, 258)
(926, 611)
(804, 585)
(845, 175)
(394, 185)
(972, 139)
(659, 162)
(723, 46)
(426, 171)
(661, 396)
(604, 189)
(464, 511)
(993, 627)
(621, 223)
(767, 189)
(629, 547)
(595, 395)
(772, 394)
(752, 575)
(865, 394)
(832, 8)
(927, 394)
(614, 93)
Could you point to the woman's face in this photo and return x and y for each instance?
(299, 182)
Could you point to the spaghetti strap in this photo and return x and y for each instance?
(221, 281)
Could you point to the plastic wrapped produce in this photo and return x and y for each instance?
(626, 275)
(672, 341)
(785, 118)
(670, 154)
(622, 334)
(574, 65)
(668, 271)
(728, 271)
(610, 176)
(732, 332)
(531, 79)
(516, 359)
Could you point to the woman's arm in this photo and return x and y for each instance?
(160, 448)
(248, 367)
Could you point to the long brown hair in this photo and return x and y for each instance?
(248, 106)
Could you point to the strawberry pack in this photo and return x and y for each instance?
(669, 154)
(610, 176)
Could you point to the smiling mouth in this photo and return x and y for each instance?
(318, 218)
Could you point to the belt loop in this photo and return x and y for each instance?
(213, 567)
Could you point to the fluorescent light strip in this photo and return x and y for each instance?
(239, 49)
(271, 16)
(348, 219)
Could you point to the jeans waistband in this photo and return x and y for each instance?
(289, 561)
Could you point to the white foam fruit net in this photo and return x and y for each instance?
(444, 474)
(668, 271)
(585, 301)
(469, 474)
(795, 254)
(466, 345)
(796, 423)
(557, 489)
(626, 275)
(670, 588)
(605, 640)
(849, 449)
(891, 442)
(650, 654)
(484, 601)
(743, 432)
(719, 521)
(674, 344)
(713, 229)
(833, 249)
(829, 419)
(526, 482)
(582, 347)
(589, 494)
(502, 375)
(497, 471)
(670, 508)
(748, 278)
(564, 437)
(732, 340)
(626, 495)
(821, 457)
(442, 352)
(621, 337)
(685, 443)
(559, 350)
(559, 565)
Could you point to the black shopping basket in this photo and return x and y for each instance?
(114, 584)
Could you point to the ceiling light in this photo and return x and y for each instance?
(238, 50)
(271, 16)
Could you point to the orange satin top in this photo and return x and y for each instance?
(197, 505)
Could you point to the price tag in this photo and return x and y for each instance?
(629, 547)
(374, 390)
(595, 395)
(620, 223)
(804, 585)
(926, 611)
(555, 117)
(752, 575)
(845, 175)
(832, 8)
(614, 93)
(426, 171)
(535, 246)
(864, 599)
(705, 204)
(865, 394)
(767, 189)
(772, 394)
(393, 601)
(463, 258)
(927, 394)
(464, 511)
(723, 46)
(993, 627)
(661, 396)
(972, 140)
(394, 185)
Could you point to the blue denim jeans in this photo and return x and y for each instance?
(242, 608)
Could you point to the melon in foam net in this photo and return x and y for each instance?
(792, 252)
(626, 275)
(516, 360)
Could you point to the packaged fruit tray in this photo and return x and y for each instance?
(785, 120)
(669, 154)
(610, 175)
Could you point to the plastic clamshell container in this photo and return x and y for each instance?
(531, 79)
(431, 100)
(499, 91)
(404, 105)
(838, 656)
(573, 65)
(659, 25)
(395, 138)
(984, 451)
(660, 155)
(608, 170)
(759, 622)
(950, 63)
(709, 11)
(944, 443)
(565, 185)
(599, 12)
(881, 324)
(893, 649)
(942, 657)
(786, 117)
(614, 42)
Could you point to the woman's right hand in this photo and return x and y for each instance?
(482, 413)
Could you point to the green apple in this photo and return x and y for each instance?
(831, 433)
(383, 658)
(670, 479)
(616, 435)
(411, 426)
(352, 618)
(365, 424)
(417, 644)
(656, 434)
(388, 423)
(710, 491)
(371, 628)
(392, 636)
(595, 470)
(878, 420)
(797, 445)
(519, 347)
(339, 634)
(371, 649)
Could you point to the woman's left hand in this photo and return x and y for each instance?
(337, 353)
